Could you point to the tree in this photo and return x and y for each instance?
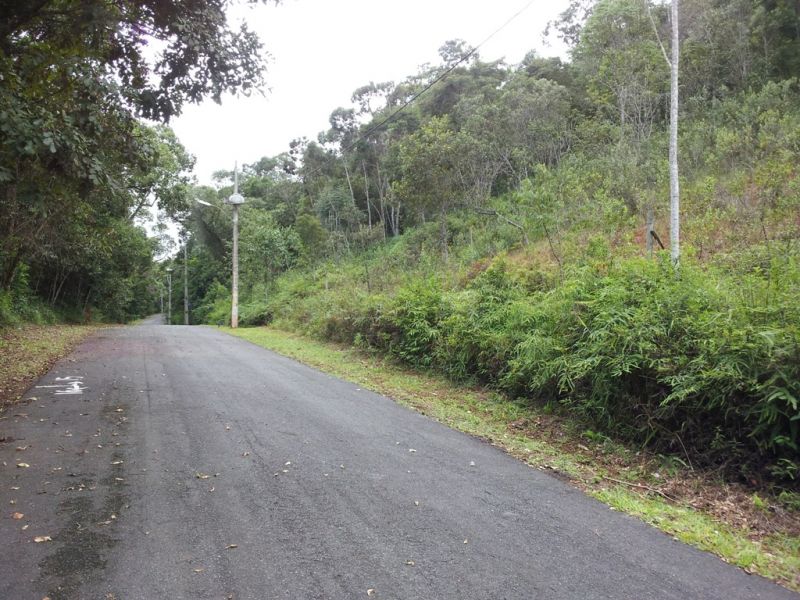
(201, 55)
(620, 62)
(267, 249)
(432, 179)
(528, 124)
(74, 158)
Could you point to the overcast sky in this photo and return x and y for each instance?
(322, 50)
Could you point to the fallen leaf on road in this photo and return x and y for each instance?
(14, 487)
(212, 489)
(466, 541)
(410, 563)
(199, 570)
(17, 516)
(472, 463)
(416, 502)
(24, 527)
(370, 592)
(245, 454)
(227, 427)
(231, 546)
(286, 464)
(23, 465)
(411, 450)
(201, 476)
(117, 462)
(42, 538)
(21, 448)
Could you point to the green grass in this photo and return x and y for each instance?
(543, 443)
(776, 557)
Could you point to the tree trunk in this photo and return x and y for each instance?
(10, 270)
(382, 203)
(674, 186)
(366, 192)
(443, 232)
(349, 184)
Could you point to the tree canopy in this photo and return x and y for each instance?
(84, 84)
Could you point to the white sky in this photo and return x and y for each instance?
(322, 50)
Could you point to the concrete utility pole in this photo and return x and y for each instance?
(169, 296)
(185, 284)
(235, 200)
(674, 185)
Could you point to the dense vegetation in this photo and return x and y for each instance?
(79, 167)
(494, 229)
(487, 220)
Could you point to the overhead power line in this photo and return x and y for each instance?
(361, 137)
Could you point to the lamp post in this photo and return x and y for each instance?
(169, 296)
(235, 200)
(185, 283)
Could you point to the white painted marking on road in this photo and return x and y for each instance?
(69, 386)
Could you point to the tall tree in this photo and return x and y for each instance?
(77, 75)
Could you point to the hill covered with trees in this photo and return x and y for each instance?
(492, 221)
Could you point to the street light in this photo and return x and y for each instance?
(185, 282)
(235, 200)
(169, 297)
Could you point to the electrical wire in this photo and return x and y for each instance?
(361, 137)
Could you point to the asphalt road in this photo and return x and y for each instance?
(181, 463)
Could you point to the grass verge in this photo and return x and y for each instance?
(753, 530)
(27, 352)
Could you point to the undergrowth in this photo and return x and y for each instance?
(702, 362)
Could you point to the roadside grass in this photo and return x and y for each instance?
(755, 532)
(27, 352)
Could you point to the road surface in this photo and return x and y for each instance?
(182, 463)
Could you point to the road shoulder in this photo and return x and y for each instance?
(29, 351)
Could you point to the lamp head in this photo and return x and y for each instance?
(235, 199)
